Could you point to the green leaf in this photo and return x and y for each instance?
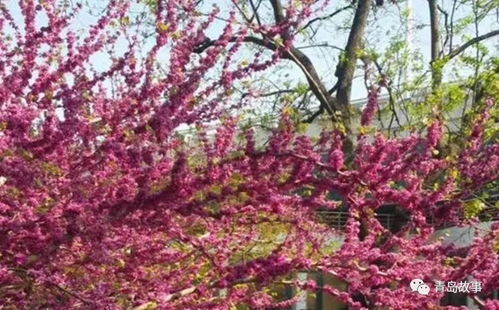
(125, 20)
(147, 306)
(473, 207)
(301, 89)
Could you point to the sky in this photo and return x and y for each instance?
(386, 25)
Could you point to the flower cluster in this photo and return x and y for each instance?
(104, 206)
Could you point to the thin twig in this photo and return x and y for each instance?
(325, 17)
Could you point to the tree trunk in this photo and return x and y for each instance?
(436, 69)
(346, 67)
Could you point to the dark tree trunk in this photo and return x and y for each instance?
(346, 68)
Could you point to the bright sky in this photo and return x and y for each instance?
(386, 25)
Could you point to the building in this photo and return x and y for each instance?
(387, 215)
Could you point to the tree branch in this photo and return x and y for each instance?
(325, 44)
(338, 11)
(62, 289)
(293, 54)
(278, 13)
(273, 93)
(475, 40)
(305, 64)
(316, 85)
(447, 26)
(255, 12)
(209, 43)
(315, 115)
(297, 57)
(388, 87)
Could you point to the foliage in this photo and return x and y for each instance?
(103, 206)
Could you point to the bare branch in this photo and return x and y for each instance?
(391, 99)
(475, 40)
(325, 44)
(453, 11)
(338, 11)
(209, 43)
(447, 26)
(255, 11)
(315, 115)
(277, 92)
(313, 79)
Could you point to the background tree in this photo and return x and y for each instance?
(103, 205)
(388, 42)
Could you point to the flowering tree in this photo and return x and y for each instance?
(104, 206)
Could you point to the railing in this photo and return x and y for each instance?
(338, 219)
